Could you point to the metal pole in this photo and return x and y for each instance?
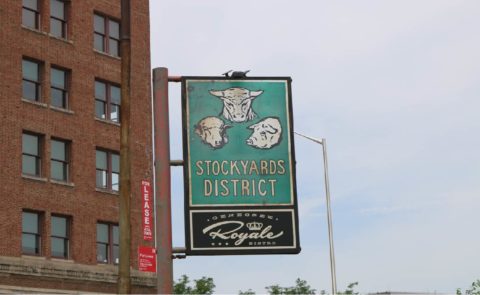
(333, 271)
(163, 228)
(329, 218)
(124, 284)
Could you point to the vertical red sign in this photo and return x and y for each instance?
(147, 260)
(147, 211)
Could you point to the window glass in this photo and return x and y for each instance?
(106, 35)
(101, 179)
(59, 226)
(30, 153)
(57, 171)
(116, 242)
(57, 9)
(115, 113)
(59, 165)
(57, 78)
(100, 109)
(100, 90)
(115, 172)
(115, 162)
(107, 170)
(102, 253)
(58, 150)
(30, 233)
(30, 144)
(115, 234)
(98, 42)
(115, 181)
(30, 244)
(101, 160)
(30, 70)
(116, 254)
(114, 29)
(59, 247)
(57, 97)
(29, 90)
(113, 47)
(30, 222)
(32, 4)
(115, 94)
(99, 24)
(59, 239)
(29, 18)
(56, 28)
(102, 233)
(107, 101)
(29, 165)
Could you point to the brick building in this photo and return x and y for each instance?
(60, 142)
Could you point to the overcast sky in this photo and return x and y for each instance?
(394, 87)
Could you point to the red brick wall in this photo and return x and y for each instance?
(82, 201)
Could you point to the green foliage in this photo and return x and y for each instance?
(202, 286)
(248, 292)
(181, 287)
(301, 287)
(206, 286)
(473, 290)
(349, 290)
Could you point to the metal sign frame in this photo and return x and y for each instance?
(259, 218)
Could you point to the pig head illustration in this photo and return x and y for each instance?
(266, 133)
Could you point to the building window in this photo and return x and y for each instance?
(31, 238)
(60, 236)
(106, 35)
(107, 101)
(107, 243)
(31, 154)
(58, 19)
(31, 80)
(59, 88)
(59, 164)
(108, 170)
(30, 14)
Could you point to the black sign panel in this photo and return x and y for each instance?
(243, 232)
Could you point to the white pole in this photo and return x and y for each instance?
(329, 218)
(323, 142)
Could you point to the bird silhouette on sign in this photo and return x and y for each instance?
(236, 74)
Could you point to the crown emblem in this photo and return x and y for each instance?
(255, 225)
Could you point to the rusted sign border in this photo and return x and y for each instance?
(186, 172)
(290, 144)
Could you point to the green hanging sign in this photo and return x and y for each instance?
(238, 143)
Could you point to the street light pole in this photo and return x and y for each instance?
(323, 142)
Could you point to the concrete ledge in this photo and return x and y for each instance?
(7, 289)
(106, 54)
(107, 191)
(110, 122)
(70, 271)
(62, 110)
(35, 103)
(68, 184)
(34, 178)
